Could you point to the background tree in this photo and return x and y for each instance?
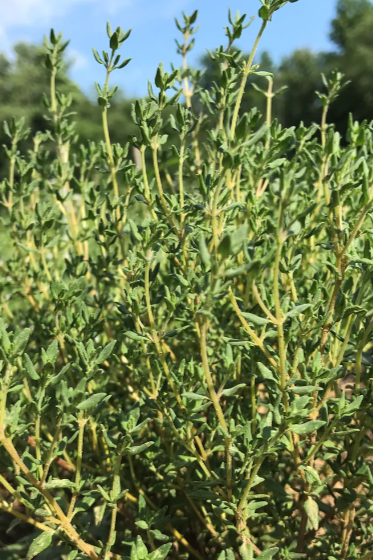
(24, 81)
(351, 31)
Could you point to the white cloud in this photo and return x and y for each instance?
(172, 7)
(115, 6)
(20, 17)
(29, 13)
(78, 59)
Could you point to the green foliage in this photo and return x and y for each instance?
(39, 544)
(23, 83)
(185, 343)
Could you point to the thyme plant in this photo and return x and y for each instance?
(186, 340)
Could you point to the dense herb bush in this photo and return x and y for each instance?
(185, 342)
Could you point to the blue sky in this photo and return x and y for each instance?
(302, 24)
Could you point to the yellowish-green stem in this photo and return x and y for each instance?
(246, 73)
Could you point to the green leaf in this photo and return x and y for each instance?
(124, 35)
(267, 554)
(123, 64)
(39, 544)
(91, 402)
(255, 137)
(353, 406)
(59, 483)
(255, 319)
(56, 378)
(114, 41)
(233, 272)
(225, 245)
(204, 252)
(265, 372)
(100, 405)
(183, 281)
(305, 389)
(103, 493)
(160, 553)
(264, 13)
(297, 310)
(238, 237)
(194, 396)
(263, 74)
(312, 474)
(105, 352)
(52, 352)
(175, 332)
(106, 438)
(312, 510)
(28, 249)
(134, 230)
(158, 535)
(20, 342)
(139, 550)
(6, 129)
(300, 403)
(30, 368)
(307, 427)
(253, 505)
(233, 390)
(16, 388)
(134, 450)
(97, 56)
(134, 336)
(246, 551)
(4, 337)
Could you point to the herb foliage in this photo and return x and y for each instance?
(185, 365)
